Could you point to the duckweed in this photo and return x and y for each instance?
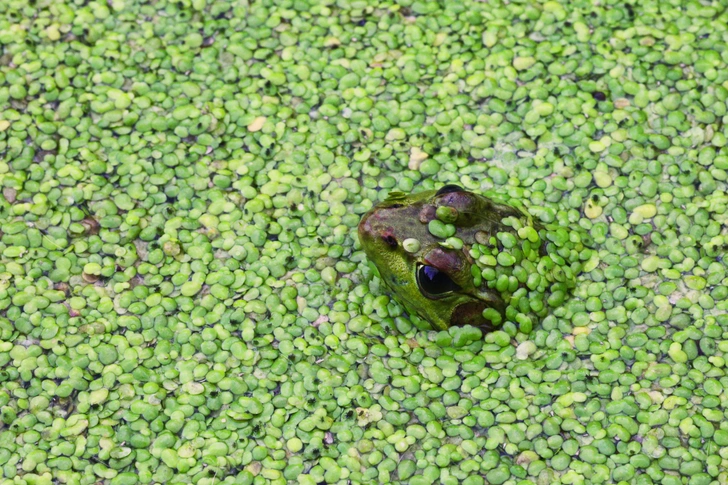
(183, 298)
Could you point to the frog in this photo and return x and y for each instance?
(455, 257)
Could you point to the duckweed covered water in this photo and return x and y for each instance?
(183, 297)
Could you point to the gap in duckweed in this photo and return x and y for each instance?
(183, 298)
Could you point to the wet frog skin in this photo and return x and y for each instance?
(457, 258)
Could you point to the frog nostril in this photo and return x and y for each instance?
(390, 240)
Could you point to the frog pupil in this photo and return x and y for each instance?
(433, 282)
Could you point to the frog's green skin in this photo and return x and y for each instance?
(479, 219)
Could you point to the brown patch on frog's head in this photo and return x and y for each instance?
(448, 261)
(427, 213)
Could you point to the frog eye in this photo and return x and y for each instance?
(448, 189)
(471, 313)
(433, 283)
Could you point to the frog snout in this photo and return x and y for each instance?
(375, 228)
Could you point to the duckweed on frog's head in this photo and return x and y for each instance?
(456, 258)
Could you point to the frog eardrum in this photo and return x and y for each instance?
(457, 258)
